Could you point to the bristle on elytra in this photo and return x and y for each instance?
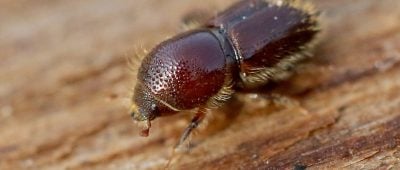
(257, 76)
(303, 5)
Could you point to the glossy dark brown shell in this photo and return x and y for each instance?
(242, 47)
(185, 71)
(264, 33)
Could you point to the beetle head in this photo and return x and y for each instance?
(146, 107)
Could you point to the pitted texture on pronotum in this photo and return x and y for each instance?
(186, 71)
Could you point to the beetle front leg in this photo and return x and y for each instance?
(196, 120)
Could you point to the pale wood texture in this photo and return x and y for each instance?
(65, 86)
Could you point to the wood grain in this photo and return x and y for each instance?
(65, 87)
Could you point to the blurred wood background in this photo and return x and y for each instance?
(65, 87)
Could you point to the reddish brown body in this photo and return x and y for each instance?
(264, 34)
(245, 46)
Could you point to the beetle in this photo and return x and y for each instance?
(244, 47)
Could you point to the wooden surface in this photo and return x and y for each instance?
(65, 86)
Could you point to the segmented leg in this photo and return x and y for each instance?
(196, 120)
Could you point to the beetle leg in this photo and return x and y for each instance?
(196, 120)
